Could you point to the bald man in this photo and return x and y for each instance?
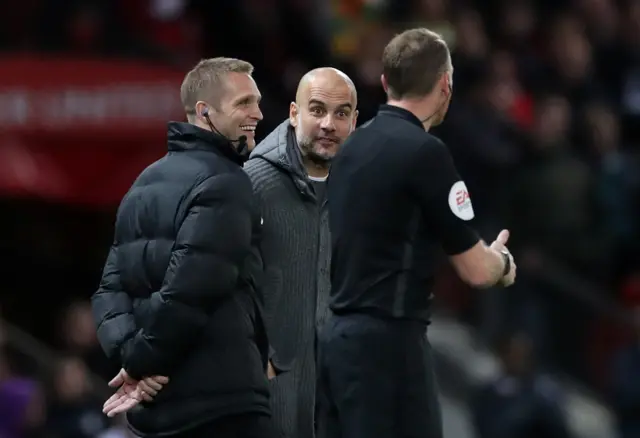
(289, 169)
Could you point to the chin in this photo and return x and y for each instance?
(325, 154)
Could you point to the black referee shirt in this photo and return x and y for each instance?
(395, 198)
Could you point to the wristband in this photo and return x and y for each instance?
(507, 262)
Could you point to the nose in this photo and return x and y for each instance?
(257, 114)
(327, 123)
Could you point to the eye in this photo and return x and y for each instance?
(317, 111)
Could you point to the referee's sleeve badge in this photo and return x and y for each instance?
(460, 201)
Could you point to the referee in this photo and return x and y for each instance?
(395, 198)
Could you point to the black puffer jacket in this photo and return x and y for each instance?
(178, 296)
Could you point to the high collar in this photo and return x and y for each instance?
(281, 149)
(396, 111)
(185, 136)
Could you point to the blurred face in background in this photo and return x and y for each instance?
(630, 23)
(71, 382)
(552, 123)
(323, 116)
(502, 87)
(603, 128)
(570, 49)
(80, 330)
(518, 20)
(602, 18)
(471, 39)
(434, 9)
(237, 111)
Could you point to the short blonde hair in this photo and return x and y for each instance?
(206, 79)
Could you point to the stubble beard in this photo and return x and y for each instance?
(309, 155)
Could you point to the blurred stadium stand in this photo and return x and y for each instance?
(544, 127)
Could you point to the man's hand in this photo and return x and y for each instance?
(126, 397)
(501, 241)
(500, 245)
(151, 385)
(131, 392)
(271, 371)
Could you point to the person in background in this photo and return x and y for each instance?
(22, 407)
(625, 372)
(74, 410)
(522, 402)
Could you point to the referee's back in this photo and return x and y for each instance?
(389, 192)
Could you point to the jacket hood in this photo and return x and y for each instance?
(280, 148)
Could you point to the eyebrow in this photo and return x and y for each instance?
(317, 102)
(249, 97)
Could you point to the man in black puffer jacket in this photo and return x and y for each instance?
(178, 292)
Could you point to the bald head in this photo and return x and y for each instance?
(325, 77)
(324, 113)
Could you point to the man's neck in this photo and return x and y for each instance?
(315, 170)
(423, 109)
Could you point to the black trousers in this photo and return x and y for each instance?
(236, 426)
(376, 380)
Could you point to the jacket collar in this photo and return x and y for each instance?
(280, 148)
(185, 136)
(396, 111)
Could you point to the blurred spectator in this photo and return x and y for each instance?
(626, 383)
(433, 14)
(74, 410)
(616, 183)
(513, 100)
(22, 412)
(470, 49)
(484, 142)
(602, 20)
(552, 205)
(79, 339)
(518, 34)
(630, 74)
(571, 60)
(522, 402)
(544, 126)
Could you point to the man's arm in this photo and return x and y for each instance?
(112, 309)
(447, 206)
(255, 271)
(212, 244)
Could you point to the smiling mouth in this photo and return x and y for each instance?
(248, 128)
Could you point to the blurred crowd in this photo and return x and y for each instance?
(59, 395)
(544, 127)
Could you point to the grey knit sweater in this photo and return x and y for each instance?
(295, 248)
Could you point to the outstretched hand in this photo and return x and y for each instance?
(500, 244)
